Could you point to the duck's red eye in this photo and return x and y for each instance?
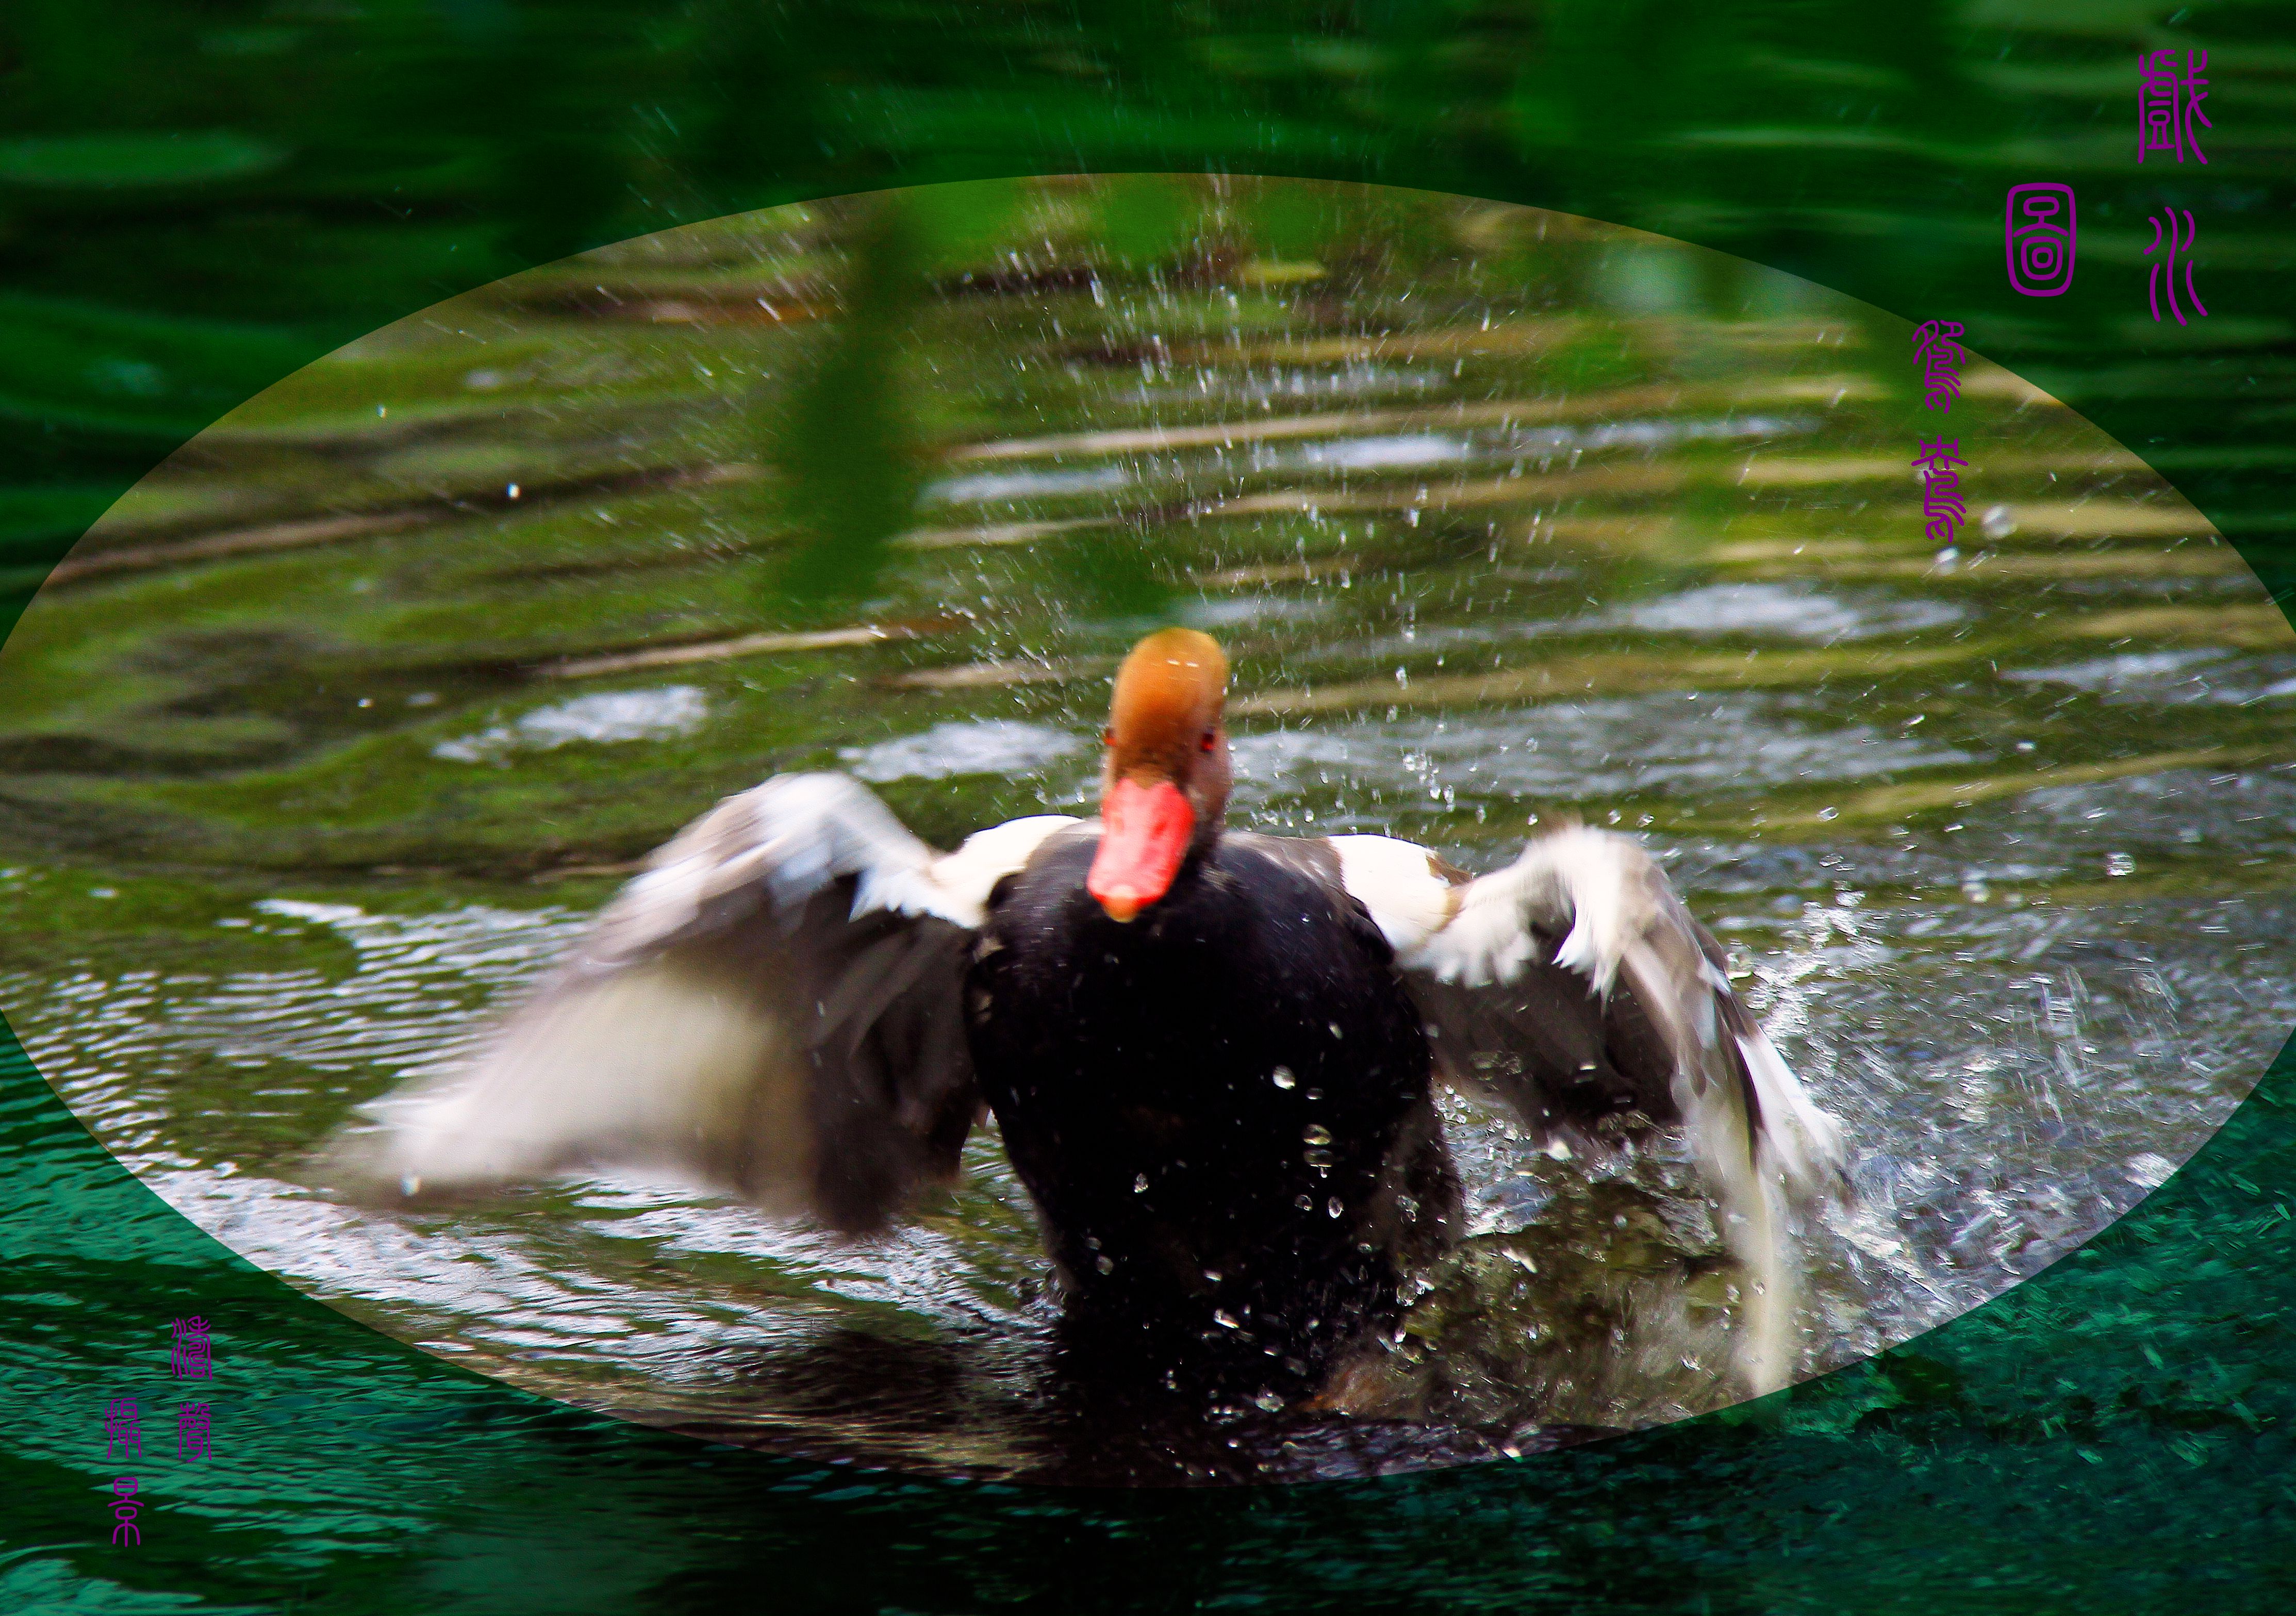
(1108, 736)
(1210, 737)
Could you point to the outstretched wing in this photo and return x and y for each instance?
(1574, 985)
(772, 1005)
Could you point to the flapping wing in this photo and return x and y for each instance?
(1574, 985)
(772, 1005)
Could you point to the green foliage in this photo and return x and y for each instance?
(849, 446)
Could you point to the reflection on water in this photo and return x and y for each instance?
(977, 746)
(1011, 487)
(1565, 753)
(621, 714)
(1792, 613)
(1994, 835)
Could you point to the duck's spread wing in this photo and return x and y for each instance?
(1575, 986)
(773, 1005)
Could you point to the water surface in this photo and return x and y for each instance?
(334, 733)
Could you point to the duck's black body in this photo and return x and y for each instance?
(1221, 1107)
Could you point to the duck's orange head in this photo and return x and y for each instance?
(1166, 783)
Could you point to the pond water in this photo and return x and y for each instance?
(335, 732)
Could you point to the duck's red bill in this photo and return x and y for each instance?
(1145, 834)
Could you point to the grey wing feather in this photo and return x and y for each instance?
(1575, 985)
(772, 1005)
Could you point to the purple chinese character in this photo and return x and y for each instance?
(1940, 457)
(1941, 503)
(124, 1508)
(2174, 241)
(2168, 103)
(121, 1429)
(1941, 358)
(190, 1357)
(2042, 238)
(191, 1430)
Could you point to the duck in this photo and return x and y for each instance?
(1213, 1056)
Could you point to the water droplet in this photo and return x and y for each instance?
(1268, 1402)
(2119, 864)
(1334, 1026)
(1227, 1320)
(1282, 1077)
(1306, 1204)
(1105, 1264)
(1139, 1184)
(1316, 1133)
(1333, 1207)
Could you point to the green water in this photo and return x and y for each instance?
(192, 202)
(328, 736)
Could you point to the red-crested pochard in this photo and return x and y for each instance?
(1209, 1051)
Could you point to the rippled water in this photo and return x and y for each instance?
(1993, 831)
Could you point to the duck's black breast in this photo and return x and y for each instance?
(1208, 1103)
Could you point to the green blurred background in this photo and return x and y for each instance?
(196, 200)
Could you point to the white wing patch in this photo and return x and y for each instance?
(1591, 881)
(958, 885)
(1397, 882)
(647, 1066)
(1805, 1142)
(795, 834)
